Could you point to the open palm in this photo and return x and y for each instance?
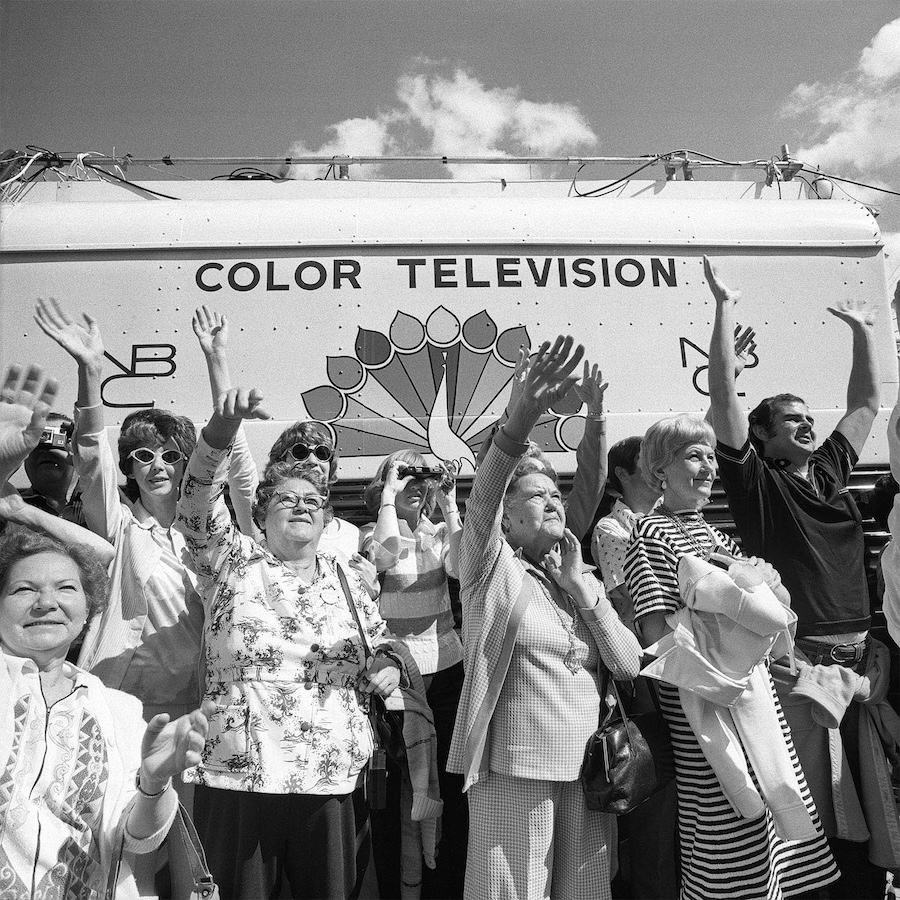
(81, 341)
(25, 401)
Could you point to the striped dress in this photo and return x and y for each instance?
(722, 854)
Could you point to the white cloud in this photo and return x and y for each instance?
(854, 121)
(352, 137)
(881, 59)
(439, 113)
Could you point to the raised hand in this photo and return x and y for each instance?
(170, 747)
(549, 376)
(592, 388)
(564, 564)
(82, 341)
(446, 492)
(393, 483)
(744, 346)
(25, 401)
(239, 403)
(518, 379)
(720, 291)
(854, 313)
(211, 329)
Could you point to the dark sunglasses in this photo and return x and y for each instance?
(145, 456)
(302, 451)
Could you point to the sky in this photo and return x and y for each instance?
(219, 78)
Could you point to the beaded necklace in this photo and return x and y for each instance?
(704, 552)
(568, 626)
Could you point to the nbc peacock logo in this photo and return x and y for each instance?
(437, 386)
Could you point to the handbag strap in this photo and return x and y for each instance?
(365, 643)
(183, 824)
(202, 877)
(115, 866)
(362, 632)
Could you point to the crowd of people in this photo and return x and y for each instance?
(211, 634)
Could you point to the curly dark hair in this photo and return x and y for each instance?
(276, 474)
(308, 433)
(18, 542)
(152, 426)
(764, 415)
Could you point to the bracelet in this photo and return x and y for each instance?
(383, 505)
(143, 793)
(452, 512)
(596, 417)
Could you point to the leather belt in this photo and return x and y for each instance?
(820, 654)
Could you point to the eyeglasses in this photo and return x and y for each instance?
(302, 451)
(145, 456)
(291, 500)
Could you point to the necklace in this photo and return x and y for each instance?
(700, 549)
(552, 589)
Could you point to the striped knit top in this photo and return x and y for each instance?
(415, 599)
(658, 541)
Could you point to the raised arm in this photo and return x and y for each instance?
(862, 388)
(386, 541)
(549, 377)
(24, 403)
(726, 416)
(446, 500)
(98, 474)
(83, 342)
(590, 472)
(211, 329)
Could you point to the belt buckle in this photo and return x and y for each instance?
(847, 654)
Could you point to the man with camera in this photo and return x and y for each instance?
(51, 472)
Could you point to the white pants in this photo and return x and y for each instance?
(531, 840)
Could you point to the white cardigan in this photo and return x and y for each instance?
(122, 726)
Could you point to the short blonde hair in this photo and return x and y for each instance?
(665, 438)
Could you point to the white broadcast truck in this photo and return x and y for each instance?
(392, 311)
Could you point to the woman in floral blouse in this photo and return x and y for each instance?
(286, 670)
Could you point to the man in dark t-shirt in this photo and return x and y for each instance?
(789, 500)
(792, 507)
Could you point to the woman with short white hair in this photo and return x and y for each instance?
(538, 635)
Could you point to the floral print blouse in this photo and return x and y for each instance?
(282, 657)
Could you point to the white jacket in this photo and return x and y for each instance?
(715, 657)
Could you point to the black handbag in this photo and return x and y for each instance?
(387, 724)
(627, 759)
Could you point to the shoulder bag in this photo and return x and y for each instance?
(627, 759)
(387, 724)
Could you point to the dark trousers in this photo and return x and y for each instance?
(648, 836)
(860, 879)
(446, 881)
(274, 845)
